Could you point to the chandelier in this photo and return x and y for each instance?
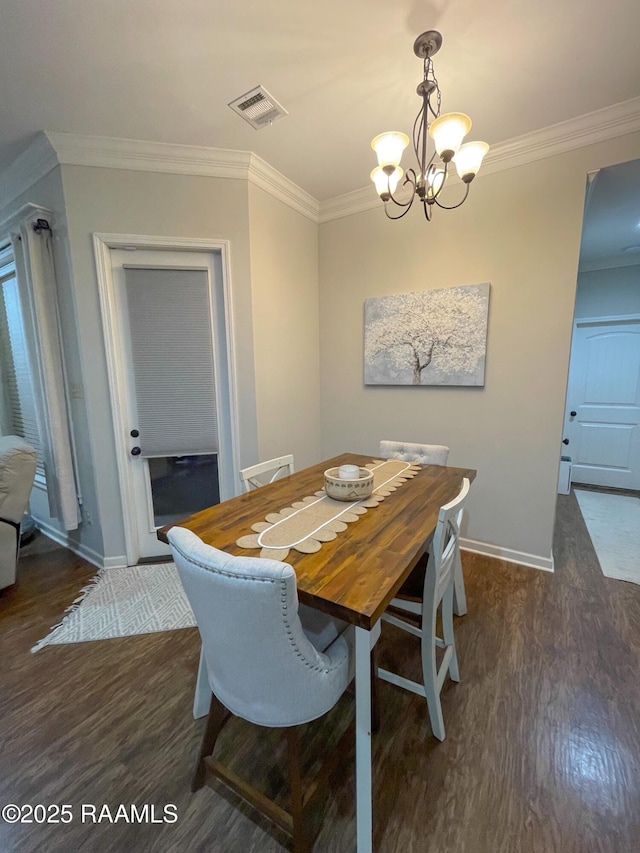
(446, 133)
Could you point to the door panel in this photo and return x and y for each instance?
(182, 485)
(604, 395)
(172, 475)
(604, 445)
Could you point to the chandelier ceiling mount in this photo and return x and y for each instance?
(427, 44)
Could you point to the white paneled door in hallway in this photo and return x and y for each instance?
(602, 426)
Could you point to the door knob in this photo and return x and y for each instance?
(134, 432)
(573, 414)
(564, 441)
(135, 451)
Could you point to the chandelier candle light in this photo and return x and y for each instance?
(446, 131)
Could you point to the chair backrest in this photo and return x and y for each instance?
(260, 663)
(266, 472)
(421, 454)
(445, 546)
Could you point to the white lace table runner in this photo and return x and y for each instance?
(309, 522)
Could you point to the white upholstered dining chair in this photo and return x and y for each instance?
(268, 659)
(251, 478)
(421, 454)
(425, 454)
(438, 590)
(266, 472)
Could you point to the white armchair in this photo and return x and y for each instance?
(268, 659)
(17, 472)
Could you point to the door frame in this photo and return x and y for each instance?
(103, 243)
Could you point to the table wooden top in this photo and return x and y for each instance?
(355, 576)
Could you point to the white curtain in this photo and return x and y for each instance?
(34, 262)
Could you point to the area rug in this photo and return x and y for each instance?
(613, 522)
(122, 603)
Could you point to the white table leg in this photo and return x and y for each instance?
(364, 790)
(202, 697)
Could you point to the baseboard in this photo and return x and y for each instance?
(81, 550)
(532, 561)
(115, 562)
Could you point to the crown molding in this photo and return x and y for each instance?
(599, 126)
(111, 153)
(589, 129)
(75, 149)
(262, 175)
(357, 201)
(34, 163)
(50, 149)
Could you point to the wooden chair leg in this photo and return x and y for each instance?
(218, 715)
(202, 695)
(300, 838)
(291, 822)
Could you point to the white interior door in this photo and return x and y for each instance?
(174, 385)
(603, 403)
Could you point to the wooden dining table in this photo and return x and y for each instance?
(352, 577)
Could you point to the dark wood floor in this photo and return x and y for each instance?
(542, 753)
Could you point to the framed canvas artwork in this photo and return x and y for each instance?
(434, 337)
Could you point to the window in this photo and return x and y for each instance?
(17, 405)
(31, 357)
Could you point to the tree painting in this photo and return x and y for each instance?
(435, 337)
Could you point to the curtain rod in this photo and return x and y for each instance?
(22, 214)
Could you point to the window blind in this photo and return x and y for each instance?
(16, 372)
(172, 354)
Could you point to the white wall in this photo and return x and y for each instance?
(520, 230)
(144, 203)
(274, 284)
(284, 283)
(609, 293)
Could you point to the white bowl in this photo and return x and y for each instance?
(348, 490)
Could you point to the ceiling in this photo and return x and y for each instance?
(164, 71)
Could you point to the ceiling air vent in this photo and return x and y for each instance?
(258, 107)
